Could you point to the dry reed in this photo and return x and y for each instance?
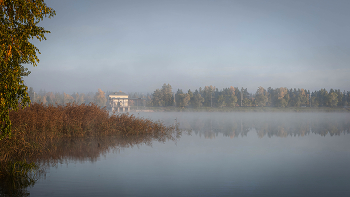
(35, 127)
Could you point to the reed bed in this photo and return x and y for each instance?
(74, 120)
(35, 128)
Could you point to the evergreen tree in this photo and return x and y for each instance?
(197, 100)
(157, 99)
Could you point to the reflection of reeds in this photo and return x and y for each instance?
(36, 130)
(36, 124)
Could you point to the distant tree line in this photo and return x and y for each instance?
(99, 98)
(51, 98)
(209, 96)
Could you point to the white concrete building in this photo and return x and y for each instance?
(119, 101)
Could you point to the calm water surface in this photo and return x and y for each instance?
(218, 154)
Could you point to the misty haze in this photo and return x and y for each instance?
(217, 154)
(175, 98)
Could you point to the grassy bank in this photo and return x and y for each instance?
(35, 128)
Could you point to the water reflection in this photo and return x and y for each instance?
(76, 149)
(234, 125)
(209, 125)
(17, 186)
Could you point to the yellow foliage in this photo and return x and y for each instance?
(282, 92)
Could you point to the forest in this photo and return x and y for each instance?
(209, 96)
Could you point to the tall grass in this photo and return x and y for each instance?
(74, 120)
(36, 130)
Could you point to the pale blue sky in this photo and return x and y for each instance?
(136, 46)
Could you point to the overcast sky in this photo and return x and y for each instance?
(137, 46)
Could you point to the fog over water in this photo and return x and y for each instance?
(299, 154)
(264, 124)
(136, 46)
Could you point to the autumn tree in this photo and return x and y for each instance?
(167, 95)
(42, 99)
(220, 99)
(231, 98)
(89, 98)
(100, 98)
(149, 100)
(340, 97)
(157, 99)
(332, 99)
(182, 99)
(163, 97)
(190, 93)
(79, 98)
(19, 23)
(207, 94)
(68, 98)
(270, 97)
(59, 99)
(282, 97)
(226, 98)
(50, 98)
(261, 97)
(303, 96)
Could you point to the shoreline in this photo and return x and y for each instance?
(242, 109)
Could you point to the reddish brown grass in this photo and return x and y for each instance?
(34, 129)
(75, 120)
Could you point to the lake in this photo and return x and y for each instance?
(217, 154)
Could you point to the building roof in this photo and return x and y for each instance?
(119, 93)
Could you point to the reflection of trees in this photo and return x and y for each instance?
(15, 187)
(210, 128)
(281, 125)
(77, 149)
(19, 178)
